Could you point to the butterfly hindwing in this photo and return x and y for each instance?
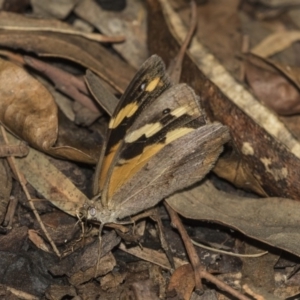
(175, 113)
(178, 165)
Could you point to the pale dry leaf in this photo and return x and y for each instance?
(56, 9)
(274, 221)
(131, 22)
(153, 256)
(275, 43)
(50, 182)
(21, 295)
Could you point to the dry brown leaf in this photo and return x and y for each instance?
(60, 292)
(5, 188)
(142, 290)
(78, 49)
(27, 108)
(101, 94)
(106, 264)
(112, 280)
(274, 221)
(183, 282)
(29, 111)
(234, 170)
(274, 84)
(38, 241)
(86, 258)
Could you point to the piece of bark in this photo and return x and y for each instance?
(271, 163)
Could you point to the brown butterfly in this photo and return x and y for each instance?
(158, 142)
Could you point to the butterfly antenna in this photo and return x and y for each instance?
(99, 249)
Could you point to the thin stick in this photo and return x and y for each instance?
(194, 258)
(22, 181)
(227, 252)
(175, 66)
(199, 270)
(12, 205)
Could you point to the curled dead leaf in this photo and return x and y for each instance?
(275, 85)
(182, 281)
(27, 108)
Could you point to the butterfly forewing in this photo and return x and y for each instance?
(149, 82)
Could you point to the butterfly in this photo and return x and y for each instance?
(158, 142)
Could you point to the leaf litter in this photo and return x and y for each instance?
(262, 157)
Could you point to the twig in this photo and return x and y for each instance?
(22, 181)
(12, 205)
(227, 252)
(195, 261)
(199, 270)
(21, 294)
(175, 66)
(244, 49)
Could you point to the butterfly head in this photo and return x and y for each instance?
(93, 211)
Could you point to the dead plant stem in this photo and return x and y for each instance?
(199, 269)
